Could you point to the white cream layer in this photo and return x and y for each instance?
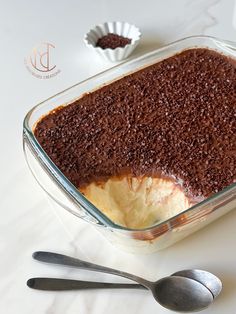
(137, 202)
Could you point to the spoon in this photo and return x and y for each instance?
(173, 294)
(176, 293)
(58, 284)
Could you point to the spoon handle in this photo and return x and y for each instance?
(55, 258)
(57, 284)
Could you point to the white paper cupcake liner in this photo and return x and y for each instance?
(120, 28)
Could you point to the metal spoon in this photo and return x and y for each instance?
(57, 284)
(174, 292)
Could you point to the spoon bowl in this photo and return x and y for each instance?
(210, 281)
(181, 294)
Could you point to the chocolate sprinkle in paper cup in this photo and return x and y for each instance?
(119, 39)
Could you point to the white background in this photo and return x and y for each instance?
(27, 220)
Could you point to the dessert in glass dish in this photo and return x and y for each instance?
(148, 152)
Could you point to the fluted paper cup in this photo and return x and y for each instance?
(120, 28)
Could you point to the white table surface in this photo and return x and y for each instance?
(28, 221)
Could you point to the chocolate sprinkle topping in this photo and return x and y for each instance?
(175, 118)
(112, 41)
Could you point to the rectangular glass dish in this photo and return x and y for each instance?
(61, 190)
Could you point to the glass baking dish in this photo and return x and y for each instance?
(61, 190)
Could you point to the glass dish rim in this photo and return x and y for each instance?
(61, 180)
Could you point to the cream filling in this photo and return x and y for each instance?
(137, 202)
